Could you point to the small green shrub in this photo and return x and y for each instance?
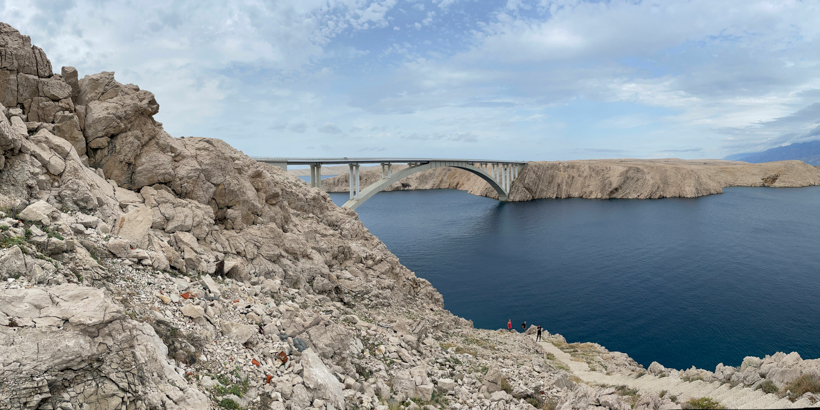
(768, 387)
(625, 391)
(702, 403)
(228, 404)
(13, 241)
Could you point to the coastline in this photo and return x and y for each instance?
(609, 179)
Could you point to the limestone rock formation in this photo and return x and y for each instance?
(68, 346)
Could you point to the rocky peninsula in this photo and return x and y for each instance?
(142, 271)
(608, 179)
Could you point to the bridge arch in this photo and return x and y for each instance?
(383, 183)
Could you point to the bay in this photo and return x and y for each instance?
(680, 281)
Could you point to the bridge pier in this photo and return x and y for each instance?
(316, 176)
(354, 181)
(387, 170)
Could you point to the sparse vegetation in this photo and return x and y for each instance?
(505, 385)
(626, 391)
(228, 404)
(702, 403)
(768, 387)
(807, 383)
(13, 241)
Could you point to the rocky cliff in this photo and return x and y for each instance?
(141, 271)
(604, 179)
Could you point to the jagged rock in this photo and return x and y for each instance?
(403, 385)
(656, 368)
(300, 398)
(321, 380)
(134, 226)
(12, 263)
(70, 76)
(238, 332)
(126, 198)
(750, 361)
(211, 286)
(48, 158)
(39, 211)
(10, 140)
(17, 53)
(492, 380)
(446, 385)
(54, 88)
(192, 311)
(118, 247)
(61, 328)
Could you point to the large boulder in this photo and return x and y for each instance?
(134, 226)
(39, 211)
(321, 381)
(12, 263)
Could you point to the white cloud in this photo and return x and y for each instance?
(712, 75)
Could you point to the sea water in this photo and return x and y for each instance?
(680, 281)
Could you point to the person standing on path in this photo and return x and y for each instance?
(524, 327)
(509, 325)
(538, 335)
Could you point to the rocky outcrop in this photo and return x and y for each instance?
(608, 179)
(69, 347)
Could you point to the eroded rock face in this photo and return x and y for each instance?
(69, 345)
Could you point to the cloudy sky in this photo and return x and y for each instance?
(523, 80)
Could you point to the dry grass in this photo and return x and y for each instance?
(807, 383)
(702, 403)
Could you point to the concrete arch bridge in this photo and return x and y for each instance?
(499, 174)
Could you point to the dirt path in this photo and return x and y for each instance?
(738, 397)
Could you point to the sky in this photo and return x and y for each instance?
(472, 79)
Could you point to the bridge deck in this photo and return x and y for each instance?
(499, 174)
(346, 160)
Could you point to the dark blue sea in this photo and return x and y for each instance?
(681, 281)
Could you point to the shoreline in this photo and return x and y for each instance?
(608, 179)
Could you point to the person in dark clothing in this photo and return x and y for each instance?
(524, 327)
(538, 335)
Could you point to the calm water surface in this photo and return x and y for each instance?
(681, 281)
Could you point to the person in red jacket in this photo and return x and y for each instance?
(509, 325)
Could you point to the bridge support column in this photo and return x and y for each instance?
(387, 170)
(316, 176)
(358, 190)
(350, 179)
(504, 177)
